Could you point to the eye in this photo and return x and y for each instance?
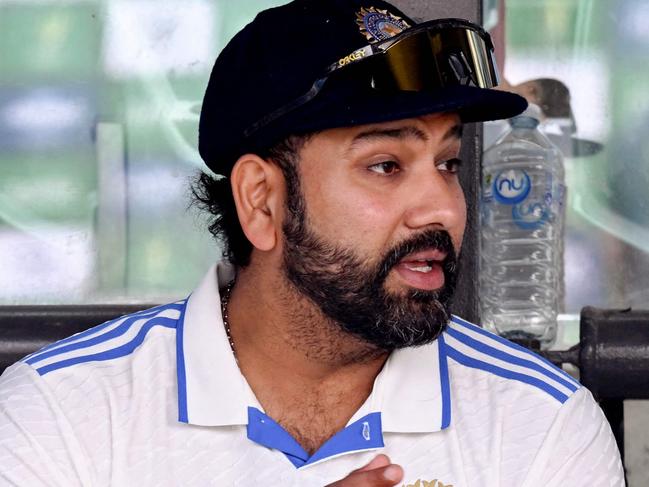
(386, 168)
(450, 165)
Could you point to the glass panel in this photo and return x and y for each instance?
(99, 104)
(599, 51)
(585, 62)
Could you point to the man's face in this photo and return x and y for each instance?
(372, 235)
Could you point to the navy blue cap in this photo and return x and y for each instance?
(284, 50)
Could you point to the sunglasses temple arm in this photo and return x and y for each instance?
(289, 107)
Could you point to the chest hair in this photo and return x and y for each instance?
(311, 423)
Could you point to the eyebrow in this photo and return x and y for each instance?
(401, 133)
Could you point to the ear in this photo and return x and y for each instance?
(257, 187)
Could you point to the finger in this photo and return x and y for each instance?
(387, 476)
(377, 462)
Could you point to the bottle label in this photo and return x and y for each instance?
(530, 215)
(511, 186)
(532, 203)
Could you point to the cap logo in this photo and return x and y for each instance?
(378, 25)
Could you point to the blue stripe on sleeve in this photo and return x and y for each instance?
(470, 326)
(507, 374)
(30, 359)
(118, 331)
(504, 356)
(116, 352)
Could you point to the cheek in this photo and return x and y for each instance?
(355, 217)
(363, 211)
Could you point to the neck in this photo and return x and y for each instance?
(293, 356)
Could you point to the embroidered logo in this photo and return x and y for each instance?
(424, 483)
(379, 25)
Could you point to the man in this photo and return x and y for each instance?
(324, 352)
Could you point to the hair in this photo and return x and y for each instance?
(214, 197)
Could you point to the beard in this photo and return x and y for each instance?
(351, 291)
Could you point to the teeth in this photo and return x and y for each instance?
(420, 268)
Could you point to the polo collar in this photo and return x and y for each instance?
(411, 392)
(211, 389)
(414, 388)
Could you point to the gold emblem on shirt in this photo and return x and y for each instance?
(431, 483)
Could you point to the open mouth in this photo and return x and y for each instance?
(422, 270)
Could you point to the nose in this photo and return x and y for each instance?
(435, 200)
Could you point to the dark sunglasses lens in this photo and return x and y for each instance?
(431, 60)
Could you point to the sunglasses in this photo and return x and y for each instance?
(427, 57)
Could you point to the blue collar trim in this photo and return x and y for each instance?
(445, 383)
(364, 434)
(180, 366)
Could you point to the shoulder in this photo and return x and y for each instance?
(118, 340)
(67, 405)
(507, 402)
(473, 351)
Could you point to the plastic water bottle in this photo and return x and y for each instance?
(522, 221)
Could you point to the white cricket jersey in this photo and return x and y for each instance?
(156, 399)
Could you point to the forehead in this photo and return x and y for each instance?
(437, 129)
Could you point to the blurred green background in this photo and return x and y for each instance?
(99, 105)
(598, 49)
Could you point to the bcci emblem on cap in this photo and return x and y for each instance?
(379, 25)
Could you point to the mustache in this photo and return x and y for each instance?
(430, 239)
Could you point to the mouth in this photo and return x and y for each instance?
(422, 270)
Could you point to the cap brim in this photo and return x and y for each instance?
(347, 107)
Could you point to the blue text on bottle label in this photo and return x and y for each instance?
(512, 186)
